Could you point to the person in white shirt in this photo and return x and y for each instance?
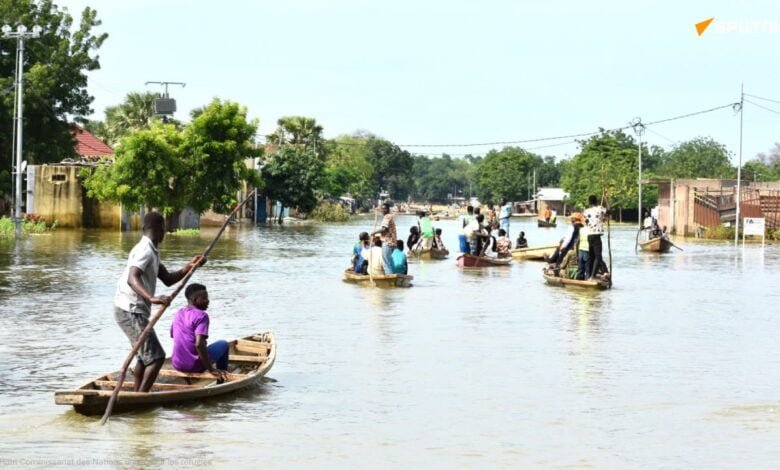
(376, 258)
(135, 295)
(594, 220)
(504, 215)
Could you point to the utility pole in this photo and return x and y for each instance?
(739, 166)
(20, 35)
(639, 128)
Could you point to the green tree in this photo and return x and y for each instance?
(148, 171)
(392, 167)
(201, 166)
(292, 175)
(135, 113)
(347, 169)
(607, 162)
(437, 178)
(505, 173)
(55, 75)
(296, 130)
(216, 145)
(701, 157)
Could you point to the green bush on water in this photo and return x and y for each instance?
(720, 232)
(330, 212)
(32, 224)
(187, 232)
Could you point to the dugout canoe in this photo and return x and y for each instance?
(437, 217)
(380, 280)
(595, 284)
(544, 223)
(534, 253)
(471, 261)
(432, 253)
(250, 358)
(656, 245)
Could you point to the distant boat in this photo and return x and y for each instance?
(250, 359)
(534, 253)
(595, 284)
(656, 245)
(545, 224)
(471, 261)
(378, 280)
(432, 253)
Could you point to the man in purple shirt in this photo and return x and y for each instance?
(190, 330)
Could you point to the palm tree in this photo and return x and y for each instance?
(134, 114)
(298, 130)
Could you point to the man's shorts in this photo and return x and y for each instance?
(133, 324)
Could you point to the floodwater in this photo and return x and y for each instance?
(677, 366)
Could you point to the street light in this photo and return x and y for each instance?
(20, 35)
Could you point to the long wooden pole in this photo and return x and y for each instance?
(160, 312)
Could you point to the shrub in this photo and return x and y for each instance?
(330, 212)
(720, 232)
(187, 232)
(34, 224)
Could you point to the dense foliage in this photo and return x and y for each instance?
(201, 166)
(55, 76)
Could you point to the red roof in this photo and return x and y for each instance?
(87, 145)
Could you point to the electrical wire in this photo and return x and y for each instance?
(765, 99)
(544, 139)
(763, 107)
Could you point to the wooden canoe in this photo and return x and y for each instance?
(595, 284)
(471, 261)
(250, 359)
(533, 253)
(382, 280)
(656, 245)
(544, 223)
(437, 217)
(432, 253)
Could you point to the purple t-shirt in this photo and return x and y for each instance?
(189, 322)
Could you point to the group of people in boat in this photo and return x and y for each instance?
(477, 236)
(550, 215)
(424, 236)
(380, 252)
(650, 224)
(579, 253)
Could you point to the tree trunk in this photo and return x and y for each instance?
(281, 214)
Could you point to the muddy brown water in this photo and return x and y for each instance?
(678, 365)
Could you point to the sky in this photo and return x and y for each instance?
(444, 72)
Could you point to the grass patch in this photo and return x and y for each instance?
(32, 224)
(721, 232)
(187, 232)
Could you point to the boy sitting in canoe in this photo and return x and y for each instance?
(503, 245)
(190, 331)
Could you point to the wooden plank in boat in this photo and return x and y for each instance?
(196, 375)
(241, 358)
(254, 344)
(130, 385)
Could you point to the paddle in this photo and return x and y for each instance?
(153, 321)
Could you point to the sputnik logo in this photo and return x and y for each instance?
(702, 26)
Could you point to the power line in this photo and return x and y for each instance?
(763, 107)
(544, 139)
(765, 99)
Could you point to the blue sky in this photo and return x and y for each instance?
(454, 72)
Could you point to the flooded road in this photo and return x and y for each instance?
(677, 366)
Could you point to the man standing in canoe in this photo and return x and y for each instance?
(505, 212)
(135, 295)
(389, 235)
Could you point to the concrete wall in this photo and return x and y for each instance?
(56, 194)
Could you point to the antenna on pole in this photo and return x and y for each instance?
(165, 105)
